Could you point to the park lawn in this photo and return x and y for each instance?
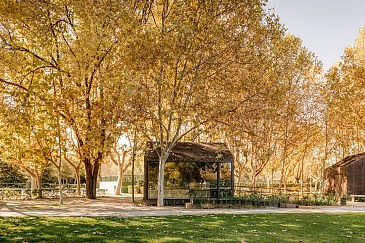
(343, 227)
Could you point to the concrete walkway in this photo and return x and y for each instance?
(121, 206)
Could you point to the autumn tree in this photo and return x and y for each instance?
(344, 107)
(188, 67)
(70, 54)
(51, 144)
(269, 125)
(294, 67)
(343, 104)
(23, 125)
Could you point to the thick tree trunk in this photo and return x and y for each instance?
(91, 172)
(33, 182)
(91, 180)
(39, 185)
(33, 178)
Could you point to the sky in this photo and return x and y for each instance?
(326, 27)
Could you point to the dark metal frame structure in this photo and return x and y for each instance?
(186, 156)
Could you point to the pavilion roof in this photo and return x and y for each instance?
(347, 160)
(193, 152)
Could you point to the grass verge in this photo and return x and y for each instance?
(344, 227)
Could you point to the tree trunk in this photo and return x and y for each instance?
(310, 179)
(281, 184)
(59, 167)
(78, 181)
(302, 177)
(121, 170)
(133, 158)
(253, 166)
(254, 175)
(160, 184)
(60, 184)
(239, 177)
(315, 186)
(77, 174)
(285, 183)
(272, 180)
(302, 164)
(91, 172)
(39, 186)
(33, 182)
(120, 179)
(161, 179)
(254, 181)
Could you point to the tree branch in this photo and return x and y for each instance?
(13, 84)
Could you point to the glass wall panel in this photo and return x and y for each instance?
(226, 175)
(152, 175)
(183, 178)
(208, 173)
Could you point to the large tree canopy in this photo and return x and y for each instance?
(344, 94)
(198, 63)
(167, 68)
(70, 55)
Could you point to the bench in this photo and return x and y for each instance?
(353, 197)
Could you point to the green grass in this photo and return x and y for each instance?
(344, 227)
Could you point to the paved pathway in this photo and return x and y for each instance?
(122, 207)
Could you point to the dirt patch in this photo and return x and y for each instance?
(123, 202)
